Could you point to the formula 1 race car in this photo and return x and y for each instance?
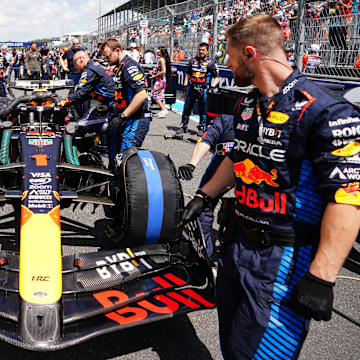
(49, 301)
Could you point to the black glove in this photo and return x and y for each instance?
(193, 209)
(116, 122)
(185, 90)
(186, 172)
(212, 90)
(313, 297)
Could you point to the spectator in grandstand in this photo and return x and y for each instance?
(161, 71)
(278, 269)
(290, 57)
(346, 9)
(149, 57)
(221, 56)
(292, 17)
(199, 74)
(33, 63)
(205, 36)
(312, 60)
(286, 30)
(324, 14)
(94, 83)
(67, 61)
(134, 53)
(219, 136)
(357, 63)
(130, 126)
(178, 55)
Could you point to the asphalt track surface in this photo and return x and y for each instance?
(192, 336)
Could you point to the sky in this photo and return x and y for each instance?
(26, 20)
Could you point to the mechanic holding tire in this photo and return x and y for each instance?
(131, 124)
(200, 71)
(220, 132)
(293, 151)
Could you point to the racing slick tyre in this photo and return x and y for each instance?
(148, 197)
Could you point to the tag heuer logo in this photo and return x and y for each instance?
(247, 113)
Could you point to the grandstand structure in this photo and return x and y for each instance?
(333, 32)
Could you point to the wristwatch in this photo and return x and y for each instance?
(205, 196)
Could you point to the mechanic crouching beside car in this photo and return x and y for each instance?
(94, 83)
(297, 211)
(131, 123)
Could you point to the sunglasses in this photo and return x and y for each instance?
(107, 57)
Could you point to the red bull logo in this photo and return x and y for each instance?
(348, 150)
(121, 104)
(251, 173)
(350, 194)
(198, 74)
(250, 198)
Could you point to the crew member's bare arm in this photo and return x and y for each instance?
(339, 229)
(199, 152)
(222, 179)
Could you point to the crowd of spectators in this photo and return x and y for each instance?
(197, 25)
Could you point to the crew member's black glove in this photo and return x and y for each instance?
(313, 298)
(193, 209)
(186, 172)
(185, 90)
(116, 122)
(212, 90)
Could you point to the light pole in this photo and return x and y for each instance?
(114, 17)
(99, 20)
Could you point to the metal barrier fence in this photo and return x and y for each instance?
(325, 39)
(329, 40)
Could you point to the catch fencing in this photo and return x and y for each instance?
(325, 40)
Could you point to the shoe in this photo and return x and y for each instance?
(200, 131)
(180, 131)
(162, 113)
(112, 233)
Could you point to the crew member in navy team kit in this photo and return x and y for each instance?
(46, 65)
(201, 70)
(220, 136)
(95, 83)
(67, 61)
(131, 123)
(297, 212)
(4, 71)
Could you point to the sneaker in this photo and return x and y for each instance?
(112, 234)
(200, 131)
(180, 131)
(162, 113)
